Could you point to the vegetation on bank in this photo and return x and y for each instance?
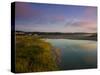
(33, 55)
(59, 35)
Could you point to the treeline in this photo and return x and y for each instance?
(54, 33)
(59, 35)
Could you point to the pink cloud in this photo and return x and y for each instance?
(85, 26)
(90, 13)
(90, 25)
(25, 10)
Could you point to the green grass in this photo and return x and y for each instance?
(33, 55)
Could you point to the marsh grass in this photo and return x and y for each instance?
(33, 55)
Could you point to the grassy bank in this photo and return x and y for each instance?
(33, 55)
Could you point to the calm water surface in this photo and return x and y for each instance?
(76, 54)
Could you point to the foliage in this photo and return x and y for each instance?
(33, 54)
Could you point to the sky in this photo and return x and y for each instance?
(37, 17)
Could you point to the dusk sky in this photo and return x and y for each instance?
(55, 18)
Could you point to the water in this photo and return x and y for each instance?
(76, 54)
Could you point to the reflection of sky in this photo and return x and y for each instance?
(55, 18)
(76, 53)
(89, 47)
